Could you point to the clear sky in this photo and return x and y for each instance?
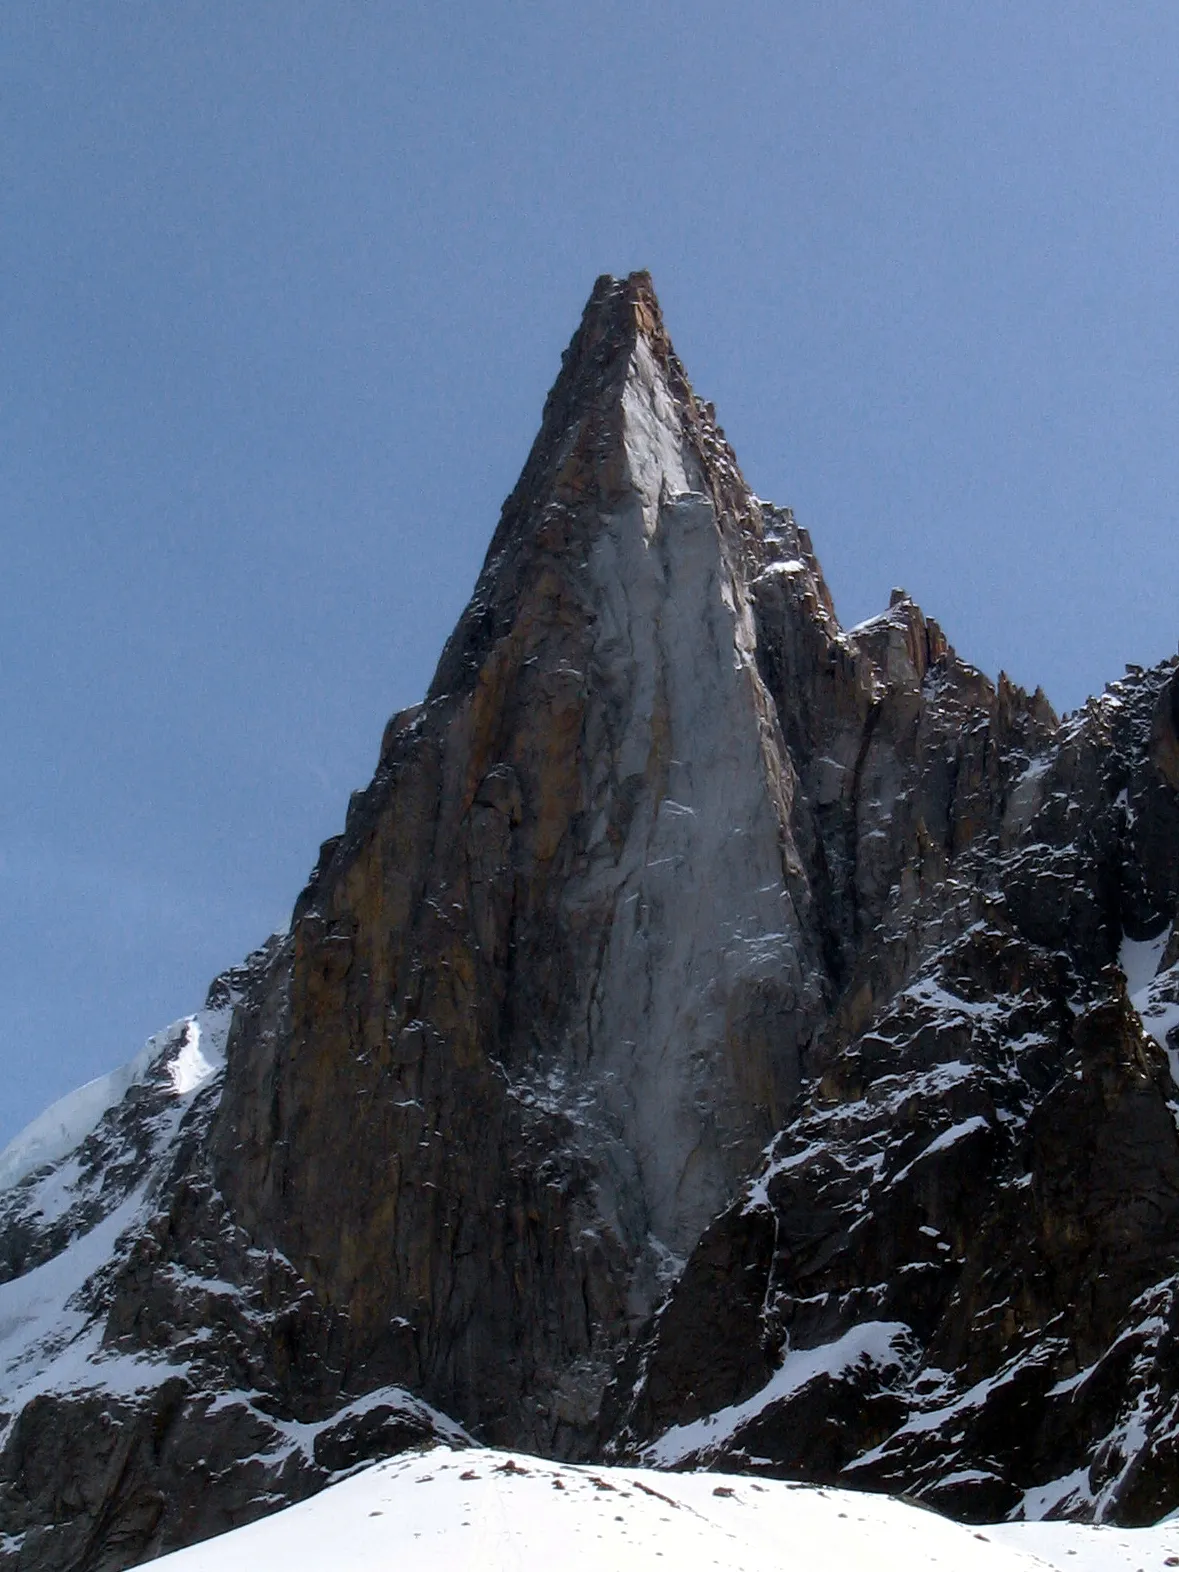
(283, 287)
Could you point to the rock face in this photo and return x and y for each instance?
(551, 988)
(954, 1274)
(715, 1034)
(164, 1379)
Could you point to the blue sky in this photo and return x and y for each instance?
(283, 289)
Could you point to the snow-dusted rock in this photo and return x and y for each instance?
(989, 1172)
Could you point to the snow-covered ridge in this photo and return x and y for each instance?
(444, 1511)
(193, 1049)
(73, 1184)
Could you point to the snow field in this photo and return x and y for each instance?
(450, 1511)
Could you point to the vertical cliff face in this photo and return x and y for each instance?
(546, 998)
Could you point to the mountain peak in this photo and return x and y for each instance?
(685, 950)
(621, 422)
(632, 296)
(622, 311)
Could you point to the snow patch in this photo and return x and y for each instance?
(1042, 1499)
(877, 1343)
(787, 569)
(943, 1142)
(1154, 995)
(296, 1436)
(194, 1064)
(1089, 1547)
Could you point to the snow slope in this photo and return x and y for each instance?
(446, 1510)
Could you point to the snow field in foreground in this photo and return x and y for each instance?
(449, 1510)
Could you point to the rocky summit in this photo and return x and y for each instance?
(717, 1038)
